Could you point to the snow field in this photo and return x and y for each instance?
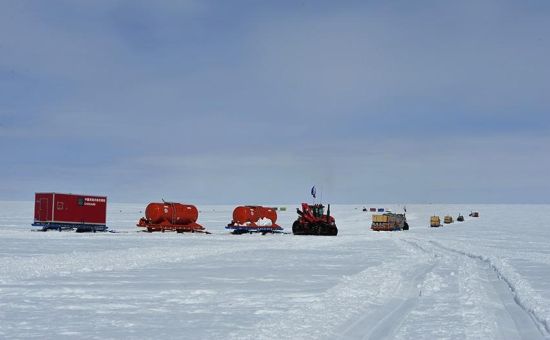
(484, 278)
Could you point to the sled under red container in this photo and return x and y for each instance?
(63, 211)
(254, 218)
(169, 216)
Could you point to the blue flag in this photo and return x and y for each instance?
(313, 192)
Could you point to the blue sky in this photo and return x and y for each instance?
(256, 101)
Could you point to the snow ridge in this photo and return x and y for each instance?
(524, 295)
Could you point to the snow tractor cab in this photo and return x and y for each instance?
(448, 219)
(251, 218)
(313, 221)
(389, 222)
(435, 222)
(460, 218)
(169, 216)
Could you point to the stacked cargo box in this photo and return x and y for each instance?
(389, 222)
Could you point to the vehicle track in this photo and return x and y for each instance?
(385, 321)
(519, 312)
(519, 321)
(393, 312)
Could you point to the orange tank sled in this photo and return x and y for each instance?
(169, 216)
(254, 218)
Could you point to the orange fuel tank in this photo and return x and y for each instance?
(252, 214)
(171, 213)
(170, 216)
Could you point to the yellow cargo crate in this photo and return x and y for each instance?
(380, 218)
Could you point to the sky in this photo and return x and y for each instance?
(252, 102)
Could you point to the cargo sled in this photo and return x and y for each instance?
(254, 219)
(389, 222)
(435, 222)
(170, 216)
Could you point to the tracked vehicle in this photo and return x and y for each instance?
(312, 220)
(460, 218)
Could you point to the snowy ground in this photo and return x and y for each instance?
(485, 278)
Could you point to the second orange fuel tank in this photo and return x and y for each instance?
(253, 214)
(254, 218)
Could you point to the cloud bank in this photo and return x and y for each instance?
(216, 102)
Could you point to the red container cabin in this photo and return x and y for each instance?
(70, 211)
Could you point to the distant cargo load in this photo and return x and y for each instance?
(59, 211)
(448, 219)
(380, 218)
(474, 214)
(372, 209)
(389, 222)
(435, 222)
(380, 209)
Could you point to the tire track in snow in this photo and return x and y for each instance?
(456, 290)
(384, 322)
(321, 317)
(369, 327)
(517, 314)
(325, 315)
(522, 293)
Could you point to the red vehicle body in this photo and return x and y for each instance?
(312, 220)
(69, 211)
(252, 218)
(170, 216)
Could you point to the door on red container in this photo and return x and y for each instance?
(43, 209)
